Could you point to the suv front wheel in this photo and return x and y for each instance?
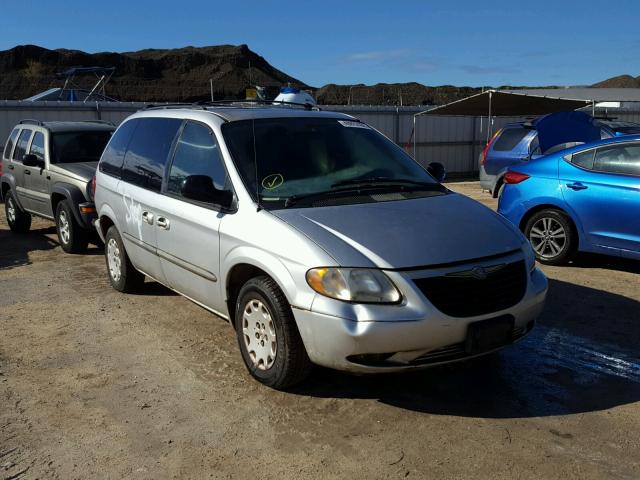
(19, 221)
(268, 337)
(73, 238)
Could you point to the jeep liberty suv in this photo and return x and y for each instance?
(48, 168)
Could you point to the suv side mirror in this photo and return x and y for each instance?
(202, 189)
(437, 171)
(30, 160)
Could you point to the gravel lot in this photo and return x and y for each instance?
(98, 384)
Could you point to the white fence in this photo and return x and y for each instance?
(456, 142)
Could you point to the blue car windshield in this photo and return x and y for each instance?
(300, 156)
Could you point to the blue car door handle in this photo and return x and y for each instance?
(577, 186)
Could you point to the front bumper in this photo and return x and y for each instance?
(340, 343)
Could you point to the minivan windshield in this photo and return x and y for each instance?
(72, 147)
(282, 159)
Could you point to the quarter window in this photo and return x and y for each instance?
(618, 159)
(197, 153)
(583, 159)
(9, 146)
(21, 148)
(148, 150)
(113, 156)
(37, 146)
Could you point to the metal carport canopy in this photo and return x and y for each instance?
(496, 103)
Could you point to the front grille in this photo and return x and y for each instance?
(464, 295)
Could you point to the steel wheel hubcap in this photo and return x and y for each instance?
(113, 258)
(259, 333)
(11, 210)
(63, 227)
(548, 237)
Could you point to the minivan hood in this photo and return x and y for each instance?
(80, 170)
(404, 234)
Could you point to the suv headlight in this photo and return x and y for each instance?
(529, 256)
(360, 285)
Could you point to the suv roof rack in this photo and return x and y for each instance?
(31, 121)
(160, 106)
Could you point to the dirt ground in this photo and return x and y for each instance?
(98, 384)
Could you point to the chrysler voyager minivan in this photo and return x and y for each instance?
(320, 240)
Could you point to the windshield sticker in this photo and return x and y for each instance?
(273, 181)
(352, 124)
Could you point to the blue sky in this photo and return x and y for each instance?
(560, 42)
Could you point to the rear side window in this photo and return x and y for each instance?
(197, 153)
(10, 143)
(621, 160)
(74, 147)
(509, 138)
(21, 148)
(583, 159)
(37, 146)
(113, 156)
(148, 150)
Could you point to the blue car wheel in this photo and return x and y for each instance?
(552, 236)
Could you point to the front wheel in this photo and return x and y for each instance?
(552, 237)
(73, 238)
(268, 337)
(19, 221)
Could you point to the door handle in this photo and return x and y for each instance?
(11, 167)
(577, 186)
(27, 172)
(147, 217)
(163, 223)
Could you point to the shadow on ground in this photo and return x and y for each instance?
(583, 356)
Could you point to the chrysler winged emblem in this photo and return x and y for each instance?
(477, 272)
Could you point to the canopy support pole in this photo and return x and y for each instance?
(489, 118)
(414, 138)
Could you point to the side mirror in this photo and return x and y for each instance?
(437, 171)
(202, 189)
(30, 160)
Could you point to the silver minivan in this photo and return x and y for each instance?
(320, 240)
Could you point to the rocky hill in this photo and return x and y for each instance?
(621, 81)
(180, 74)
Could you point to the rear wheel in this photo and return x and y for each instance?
(552, 237)
(122, 274)
(268, 337)
(19, 221)
(73, 238)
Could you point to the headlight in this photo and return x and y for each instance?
(529, 256)
(353, 285)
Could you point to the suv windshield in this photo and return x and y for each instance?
(71, 147)
(303, 157)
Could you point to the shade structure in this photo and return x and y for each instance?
(496, 103)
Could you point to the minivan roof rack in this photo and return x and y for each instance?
(160, 106)
(253, 102)
(31, 121)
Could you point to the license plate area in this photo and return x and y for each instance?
(489, 334)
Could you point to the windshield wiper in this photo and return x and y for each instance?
(384, 180)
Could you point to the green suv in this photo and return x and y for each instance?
(47, 170)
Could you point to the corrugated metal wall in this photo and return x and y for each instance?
(456, 142)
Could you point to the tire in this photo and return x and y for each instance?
(560, 246)
(122, 274)
(19, 221)
(72, 237)
(285, 363)
(497, 190)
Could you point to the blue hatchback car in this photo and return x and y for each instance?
(585, 198)
(517, 143)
